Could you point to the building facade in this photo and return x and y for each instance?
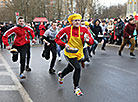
(132, 7)
(3, 2)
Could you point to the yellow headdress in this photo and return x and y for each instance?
(73, 17)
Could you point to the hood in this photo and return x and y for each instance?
(95, 21)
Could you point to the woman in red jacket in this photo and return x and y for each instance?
(42, 31)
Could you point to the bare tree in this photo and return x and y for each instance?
(114, 11)
(81, 6)
(58, 9)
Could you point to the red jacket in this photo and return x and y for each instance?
(42, 29)
(75, 33)
(21, 35)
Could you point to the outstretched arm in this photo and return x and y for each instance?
(59, 36)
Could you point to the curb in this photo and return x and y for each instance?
(112, 45)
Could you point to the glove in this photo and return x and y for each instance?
(129, 36)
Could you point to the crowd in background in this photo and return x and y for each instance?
(112, 28)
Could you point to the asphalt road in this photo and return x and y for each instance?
(107, 78)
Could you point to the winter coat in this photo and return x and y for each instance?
(129, 30)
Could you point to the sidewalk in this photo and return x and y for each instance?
(11, 90)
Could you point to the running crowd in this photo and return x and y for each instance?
(78, 38)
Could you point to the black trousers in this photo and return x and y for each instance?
(119, 42)
(51, 48)
(28, 56)
(1, 43)
(23, 50)
(73, 64)
(86, 55)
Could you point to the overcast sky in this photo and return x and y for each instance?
(112, 2)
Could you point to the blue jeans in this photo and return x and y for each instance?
(104, 43)
(93, 47)
(58, 50)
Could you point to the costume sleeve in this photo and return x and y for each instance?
(59, 37)
(7, 34)
(91, 40)
(31, 32)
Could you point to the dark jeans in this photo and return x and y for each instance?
(119, 41)
(73, 63)
(85, 52)
(1, 43)
(104, 43)
(93, 47)
(112, 39)
(46, 53)
(23, 50)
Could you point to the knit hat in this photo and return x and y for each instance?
(73, 17)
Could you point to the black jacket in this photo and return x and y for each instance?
(96, 29)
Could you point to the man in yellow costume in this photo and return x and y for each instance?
(74, 49)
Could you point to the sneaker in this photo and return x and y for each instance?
(52, 71)
(60, 80)
(87, 60)
(77, 91)
(119, 53)
(28, 69)
(132, 55)
(59, 59)
(103, 49)
(22, 76)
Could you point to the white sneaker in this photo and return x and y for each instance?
(59, 58)
(78, 92)
(22, 76)
(60, 80)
